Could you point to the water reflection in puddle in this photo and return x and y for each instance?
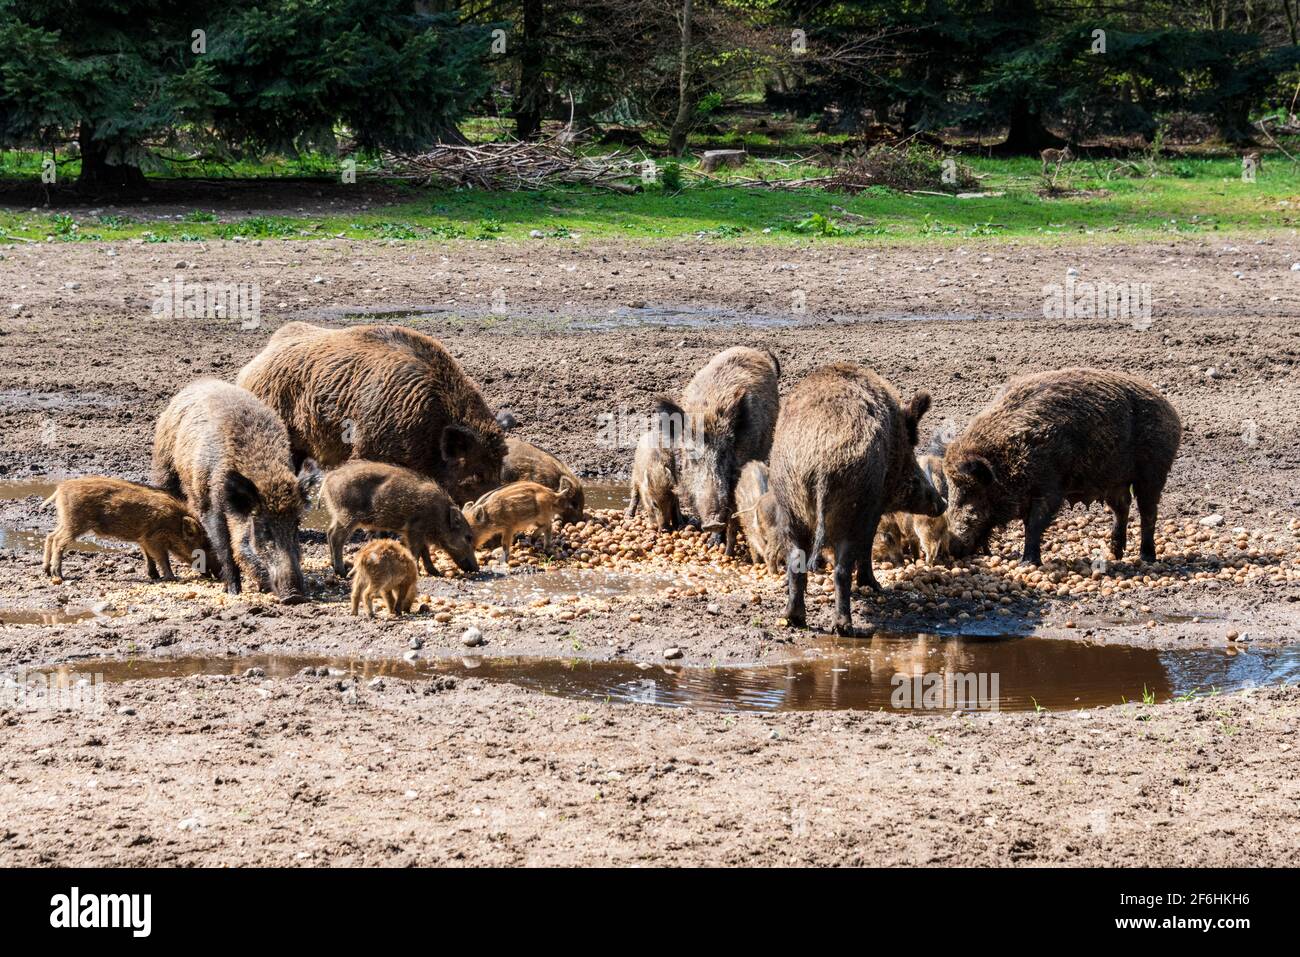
(888, 672)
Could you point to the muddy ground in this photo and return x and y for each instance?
(293, 771)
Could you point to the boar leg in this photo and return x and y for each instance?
(61, 540)
(1119, 500)
(632, 503)
(214, 523)
(844, 561)
(358, 587)
(796, 580)
(1148, 500)
(337, 535)
(419, 547)
(730, 548)
(1042, 509)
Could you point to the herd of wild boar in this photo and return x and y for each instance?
(403, 435)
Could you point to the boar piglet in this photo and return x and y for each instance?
(220, 448)
(724, 419)
(525, 462)
(756, 513)
(1072, 435)
(515, 508)
(896, 539)
(654, 481)
(382, 393)
(388, 498)
(159, 523)
(384, 569)
(843, 457)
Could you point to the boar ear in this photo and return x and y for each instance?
(912, 413)
(978, 468)
(241, 494)
(670, 420)
(457, 440)
(453, 513)
(191, 526)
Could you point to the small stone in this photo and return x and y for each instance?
(672, 654)
(416, 642)
(714, 609)
(376, 684)
(472, 637)
(1212, 521)
(182, 264)
(411, 656)
(255, 673)
(1232, 636)
(126, 711)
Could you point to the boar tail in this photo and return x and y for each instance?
(49, 501)
(819, 535)
(776, 363)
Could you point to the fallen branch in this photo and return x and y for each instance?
(515, 165)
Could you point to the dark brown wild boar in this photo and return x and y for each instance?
(384, 569)
(726, 416)
(525, 462)
(1073, 435)
(159, 523)
(221, 449)
(515, 508)
(382, 393)
(843, 457)
(654, 482)
(388, 498)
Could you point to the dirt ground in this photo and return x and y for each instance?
(298, 770)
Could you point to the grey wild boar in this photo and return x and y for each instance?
(221, 449)
(159, 523)
(388, 498)
(382, 393)
(525, 462)
(843, 457)
(756, 512)
(515, 508)
(654, 482)
(384, 569)
(1072, 435)
(725, 418)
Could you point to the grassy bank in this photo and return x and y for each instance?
(1093, 198)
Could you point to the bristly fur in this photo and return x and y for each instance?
(383, 393)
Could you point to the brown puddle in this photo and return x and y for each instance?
(887, 672)
(51, 616)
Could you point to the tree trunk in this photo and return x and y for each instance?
(532, 61)
(681, 125)
(1026, 134)
(97, 174)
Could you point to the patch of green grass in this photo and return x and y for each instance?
(1190, 197)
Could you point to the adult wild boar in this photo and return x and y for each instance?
(726, 417)
(383, 393)
(221, 449)
(525, 462)
(1072, 435)
(842, 457)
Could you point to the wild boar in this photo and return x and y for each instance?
(896, 539)
(843, 457)
(388, 498)
(1072, 435)
(931, 532)
(382, 393)
(525, 462)
(515, 508)
(756, 512)
(221, 449)
(384, 569)
(159, 523)
(654, 481)
(725, 418)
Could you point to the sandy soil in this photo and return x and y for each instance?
(314, 771)
(591, 330)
